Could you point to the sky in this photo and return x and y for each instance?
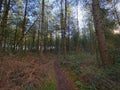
(80, 16)
(118, 6)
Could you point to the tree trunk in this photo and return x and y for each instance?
(77, 39)
(24, 25)
(45, 35)
(100, 32)
(4, 23)
(38, 38)
(15, 36)
(69, 44)
(42, 26)
(61, 25)
(64, 31)
(33, 40)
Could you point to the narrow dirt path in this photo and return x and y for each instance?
(62, 82)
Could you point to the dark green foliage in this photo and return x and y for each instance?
(96, 78)
(81, 86)
(78, 84)
(113, 48)
(114, 72)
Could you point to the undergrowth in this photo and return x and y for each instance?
(88, 75)
(48, 86)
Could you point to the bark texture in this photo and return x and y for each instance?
(100, 32)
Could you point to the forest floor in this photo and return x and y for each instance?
(63, 82)
(51, 72)
(32, 72)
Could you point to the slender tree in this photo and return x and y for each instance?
(64, 31)
(77, 41)
(4, 22)
(24, 24)
(38, 38)
(42, 25)
(15, 36)
(61, 22)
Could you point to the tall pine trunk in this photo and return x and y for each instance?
(100, 32)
